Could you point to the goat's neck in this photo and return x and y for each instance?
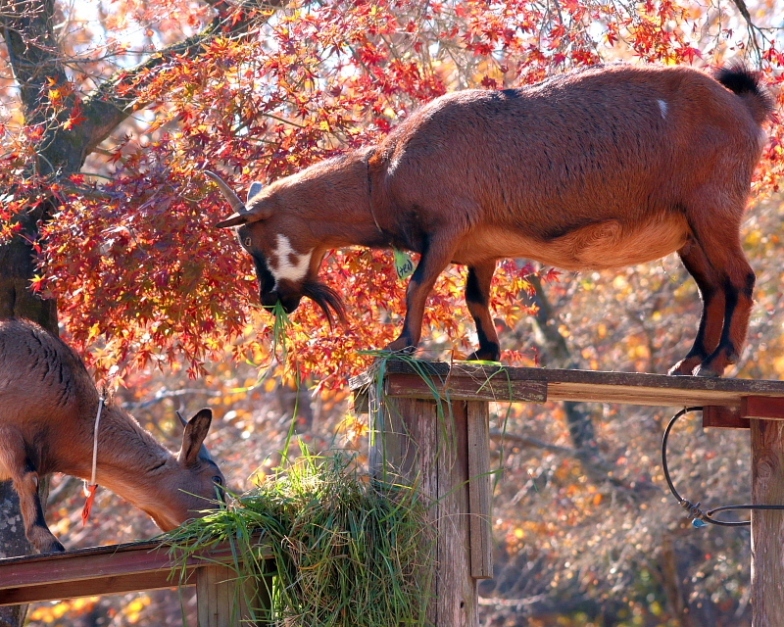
(129, 458)
(338, 194)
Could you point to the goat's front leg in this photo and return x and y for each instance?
(15, 463)
(436, 256)
(477, 296)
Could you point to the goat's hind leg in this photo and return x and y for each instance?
(477, 296)
(713, 306)
(733, 277)
(14, 459)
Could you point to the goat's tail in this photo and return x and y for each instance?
(746, 84)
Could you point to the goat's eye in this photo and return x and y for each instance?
(246, 242)
(217, 480)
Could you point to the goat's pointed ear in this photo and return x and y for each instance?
(254, 189)
(193, 437)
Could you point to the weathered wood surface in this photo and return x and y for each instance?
(465, 381)
(414, 441)
(223, 600)
(101, 570)
(767, 527)
(480, 490)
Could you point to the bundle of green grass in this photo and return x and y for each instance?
(347, 550)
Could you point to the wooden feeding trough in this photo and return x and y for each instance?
(430, 427)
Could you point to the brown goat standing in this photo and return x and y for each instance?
(48, 406)
(603, 168)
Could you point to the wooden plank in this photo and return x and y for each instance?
(457, 598)
(415, 442)
(767, 527)
(94, 571)
(465, 381)
(480, 491)
(216, 591)
(118, 584)
(762, 407)
(724, 418)
(83, 564)
(460, 388)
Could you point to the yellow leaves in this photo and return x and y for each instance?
(55, 96)
(135, 608)
(51, 614)
(353, 428)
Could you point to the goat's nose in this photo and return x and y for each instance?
(269, 299)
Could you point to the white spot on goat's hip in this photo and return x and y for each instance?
(288, 264)
(663, 108)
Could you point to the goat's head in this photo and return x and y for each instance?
(193, 481)
(284, 250)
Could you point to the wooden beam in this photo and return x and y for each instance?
(465, 381)
(480, 490)
(117, 584)
(724, 418)
(417, 443)
(767, 527)
(94, 571)
(762, 407)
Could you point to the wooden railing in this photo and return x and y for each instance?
(128, 568)
(433, 430)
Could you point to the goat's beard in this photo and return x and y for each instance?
(326, 298)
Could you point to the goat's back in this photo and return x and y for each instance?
(616, 143)
(41, 377)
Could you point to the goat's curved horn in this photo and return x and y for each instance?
(234, 200)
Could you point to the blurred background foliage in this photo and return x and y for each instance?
(163, 306)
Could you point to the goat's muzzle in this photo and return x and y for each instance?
(270, 300)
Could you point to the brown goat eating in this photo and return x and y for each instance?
(48, 409)
(598, 169)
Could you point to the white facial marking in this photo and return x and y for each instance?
(663, 108)
(290, 265)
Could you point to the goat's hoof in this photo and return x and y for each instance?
(685, 367)
(484, 356)
(50, 546)
(707, 372)
(399, 349)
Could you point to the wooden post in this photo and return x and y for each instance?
(767, 527)
(222, 600)
(426, 442)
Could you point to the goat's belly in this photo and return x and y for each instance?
(598, 246)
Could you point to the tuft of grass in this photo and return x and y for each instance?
(348, 551)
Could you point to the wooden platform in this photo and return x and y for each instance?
(466, 381)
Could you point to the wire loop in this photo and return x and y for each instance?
(696, 514)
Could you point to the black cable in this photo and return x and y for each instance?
(695, 513)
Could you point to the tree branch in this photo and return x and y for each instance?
(118, 98)
(27, 27)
